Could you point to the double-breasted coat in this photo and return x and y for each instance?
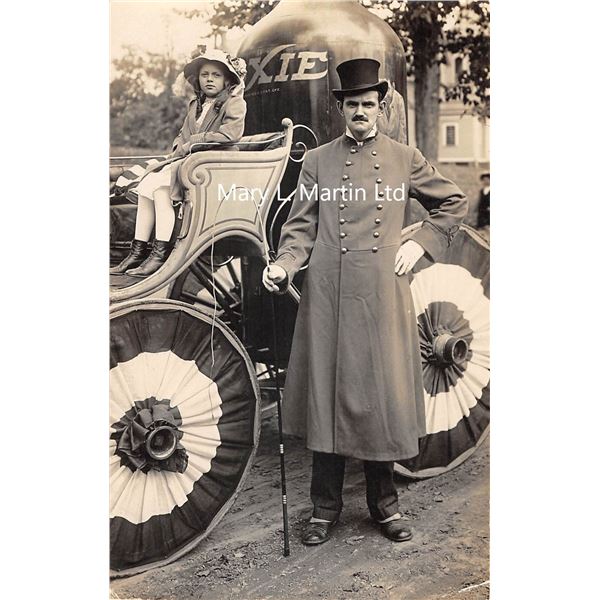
(354, 384)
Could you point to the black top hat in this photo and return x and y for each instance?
(359, 75)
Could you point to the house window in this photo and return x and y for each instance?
(451, 134)
(458, 68)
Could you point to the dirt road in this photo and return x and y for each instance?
(241, 560)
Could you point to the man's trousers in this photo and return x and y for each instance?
(328, 481)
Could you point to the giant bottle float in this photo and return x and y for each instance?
(292, 54)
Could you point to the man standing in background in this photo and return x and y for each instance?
(483, 208)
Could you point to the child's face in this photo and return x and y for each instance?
(212, 78)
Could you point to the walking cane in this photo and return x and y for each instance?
(286, 535)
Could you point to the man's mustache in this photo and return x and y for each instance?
(360, 119)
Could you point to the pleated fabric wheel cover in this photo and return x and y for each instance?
(172, 368)
(451, 300)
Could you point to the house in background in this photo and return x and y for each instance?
(463, 137)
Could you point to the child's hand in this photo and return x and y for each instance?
(176, 153)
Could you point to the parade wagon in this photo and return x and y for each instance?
(192, 362)
(196, 357)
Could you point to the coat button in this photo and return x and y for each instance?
(379, 180)
(376, 165)
(348, 163)
(342, 221)
(344, 250)
(353, 150)
(377, 221)
(375, 248)
(374, 152)
(379, 206)
(381, 194)
(376, 234)
(342, 206)
(344, 177)
(342, 235)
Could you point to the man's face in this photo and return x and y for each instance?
(360, 112)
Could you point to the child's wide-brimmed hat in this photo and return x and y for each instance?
(235, 66)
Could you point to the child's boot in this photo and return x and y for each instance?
(137, 255)
(157, 258)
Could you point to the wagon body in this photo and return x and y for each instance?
(185, 398)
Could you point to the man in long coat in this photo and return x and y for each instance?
(483, 208)
(354, 384)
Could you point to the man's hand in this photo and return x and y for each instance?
(272, 275)
(407, 256)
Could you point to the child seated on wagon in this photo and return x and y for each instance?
(215, 115)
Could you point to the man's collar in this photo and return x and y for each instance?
(370, 135)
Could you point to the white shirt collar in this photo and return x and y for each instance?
(371, 134)
(208, 102)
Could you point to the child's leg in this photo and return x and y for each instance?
(144, 223)
(144, 220)
(165, 221)
(165, 214)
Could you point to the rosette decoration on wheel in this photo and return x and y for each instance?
(451, 299)
(184, 422)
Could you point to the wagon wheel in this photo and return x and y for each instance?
(451, 300)
(184, 429)
(215, 286)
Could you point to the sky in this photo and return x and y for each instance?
(154, 26)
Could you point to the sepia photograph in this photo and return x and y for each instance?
(299, 285)
(277, 314)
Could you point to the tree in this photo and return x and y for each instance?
(144, 112)
(233, 13)
(472, 43)
(429, 31)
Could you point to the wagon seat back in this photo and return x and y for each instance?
(226, 194)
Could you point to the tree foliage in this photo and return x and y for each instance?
(144, 112)
(428, 31)
(238, 13)
(470, 40)
(431, 31)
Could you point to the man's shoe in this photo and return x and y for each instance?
(137, 255)
(157, 258)
(396, 531)
(317, 533)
